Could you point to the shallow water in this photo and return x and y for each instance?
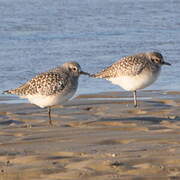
(38, 35)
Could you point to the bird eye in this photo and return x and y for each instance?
(74, 69)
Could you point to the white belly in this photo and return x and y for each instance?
(132, 83)
(47, 101)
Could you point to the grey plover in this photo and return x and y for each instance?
(134, 72)
(51, 88)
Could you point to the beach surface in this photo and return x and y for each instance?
(93, 137)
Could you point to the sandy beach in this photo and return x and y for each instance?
(94, 137)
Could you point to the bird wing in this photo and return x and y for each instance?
(48, 83)
(130, 65)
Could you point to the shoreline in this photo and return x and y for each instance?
(95, 136)
(13, 99)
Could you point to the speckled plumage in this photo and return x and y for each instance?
(129, 66)
(134, 72)
(47, 84)
(51, 88)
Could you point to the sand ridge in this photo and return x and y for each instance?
(97, 136)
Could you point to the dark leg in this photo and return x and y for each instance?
(49, 113)
(135, 99)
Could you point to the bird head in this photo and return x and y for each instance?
(74, 68)
(157, 58)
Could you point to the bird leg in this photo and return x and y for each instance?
(135, 99)
(49, 113)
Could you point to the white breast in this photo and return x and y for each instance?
(46, 101)
(132, 83)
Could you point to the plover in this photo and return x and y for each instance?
(51, 88)
(134, 72)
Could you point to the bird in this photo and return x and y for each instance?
(134, 72)
(50, 88)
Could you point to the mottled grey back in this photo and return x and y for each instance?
(45, 84)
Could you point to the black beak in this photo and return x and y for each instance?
(166, 63)
(85, 73)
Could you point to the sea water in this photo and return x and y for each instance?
(37, 35)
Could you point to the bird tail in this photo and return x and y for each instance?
(99, 75)
(102, 74)
(8, 92)
(93, 75)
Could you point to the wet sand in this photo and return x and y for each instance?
(94, 137)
